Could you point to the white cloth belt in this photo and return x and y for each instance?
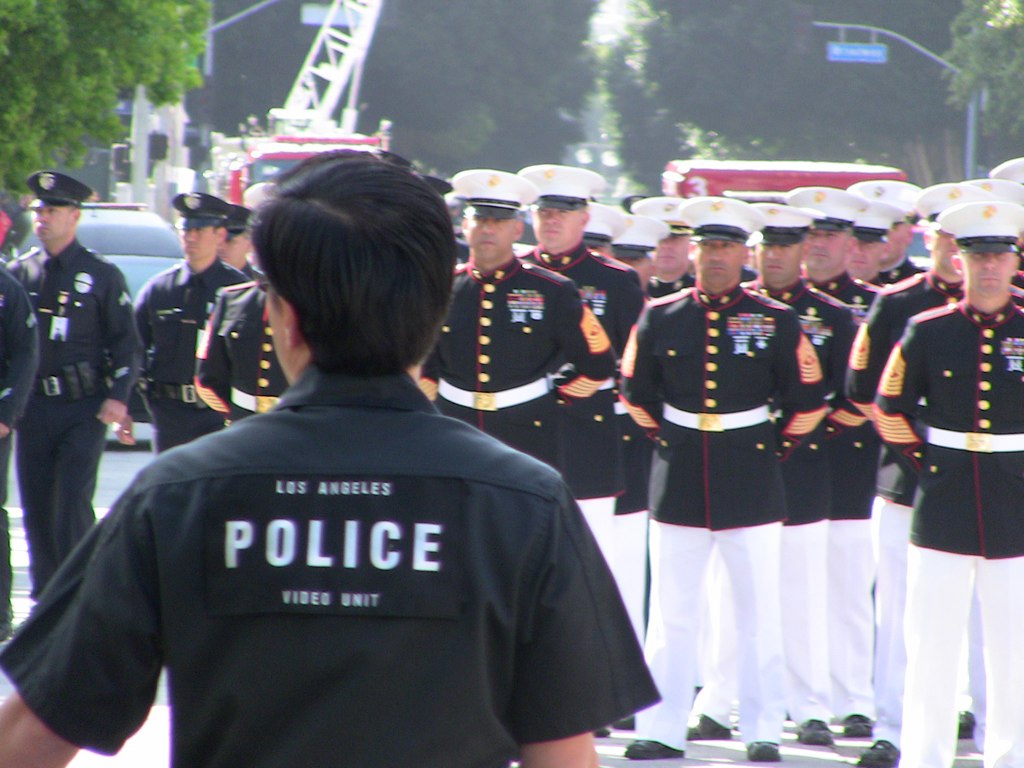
(606, 384)
(715, 422)
(254, 403)
(494, 401)
(977, 442)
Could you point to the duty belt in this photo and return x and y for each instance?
(254, 403)
(715, 422)
(186, 393)
(976, 442)
(493, 401)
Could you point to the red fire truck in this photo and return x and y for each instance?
(759, 179)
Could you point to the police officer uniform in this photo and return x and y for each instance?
(897, 484)
(967, 444)
(88, 352)
(507, 334)
(634, 243)
(19, 359)
(806, 477)
(171, 311)
(853, 448)
(700, 373)
(428, 559)
(237, 372)
(592, 460)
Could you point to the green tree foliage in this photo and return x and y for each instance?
(749, 79)
(490, 83)
(988, 48)
(65, 62)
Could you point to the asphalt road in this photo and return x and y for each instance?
(150, 746)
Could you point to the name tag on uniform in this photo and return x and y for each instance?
(58, 328)
(338, 545)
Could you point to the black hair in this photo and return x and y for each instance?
(363, 250)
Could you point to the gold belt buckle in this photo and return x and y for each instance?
(979, 442)
(484, 401)
(710, 422)
(264, 403)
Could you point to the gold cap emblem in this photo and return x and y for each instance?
(47, 181)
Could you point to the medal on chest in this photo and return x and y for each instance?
(748, 328)
(1013, 350)
(596, 298)
(816, 330)
(525, 304)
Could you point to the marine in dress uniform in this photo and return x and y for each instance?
(897, 484)
(592, 460)
(237, 372)
(511, 327)
(633, 247)
(237, 247)
(896, 265)
(89, 358)
(19, 359)
(871, 228)
(830, 326)
(350, 551)
(853, 449)
(965, 362)
(672, 270)
(171, 311)
(606, 223)
(702, 371)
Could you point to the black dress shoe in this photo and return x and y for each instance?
(707, 729)
(881, 754)
(857, 727)
(763, 752)
(601, 733)
(644, 749)
(967, 723)
(814, 733)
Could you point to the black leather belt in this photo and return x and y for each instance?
(185, 393)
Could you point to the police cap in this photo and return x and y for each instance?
(199, 210)
(237, 220)
(57, 189)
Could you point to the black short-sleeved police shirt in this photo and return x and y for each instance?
(349, 579)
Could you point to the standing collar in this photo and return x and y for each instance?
(315, 387)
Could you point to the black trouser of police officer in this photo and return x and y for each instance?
(60, 442)
(176, 422)
(6, 572)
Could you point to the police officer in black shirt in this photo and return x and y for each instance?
(171, 311)
(89, 356)
(19, 358)
(351, 551)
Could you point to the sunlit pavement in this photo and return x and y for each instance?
(150, 746)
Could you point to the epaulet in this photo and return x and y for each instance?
(671, 298)
(906, 282)
(931, 314)
(767, 301)
(824, 298)
(238, 287)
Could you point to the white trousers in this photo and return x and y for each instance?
(891, 535)
(851, 621)
(600, 514)
(939, 590)
(629, 565)
(679, 556)
(804, 591)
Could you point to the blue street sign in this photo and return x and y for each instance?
(859, 53)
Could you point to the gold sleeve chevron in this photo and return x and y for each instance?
(428, 387)
(640, 416)
(581, 387)
(848, 418)
(629, 355)
(861, 348)
(597, 340)
(810, 368)
(895, 371)
(868, 409)
(209, 397)
(804, 422)
(894, 428)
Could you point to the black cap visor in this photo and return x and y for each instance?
(720, 232)
(561, 202)
(991, 244)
